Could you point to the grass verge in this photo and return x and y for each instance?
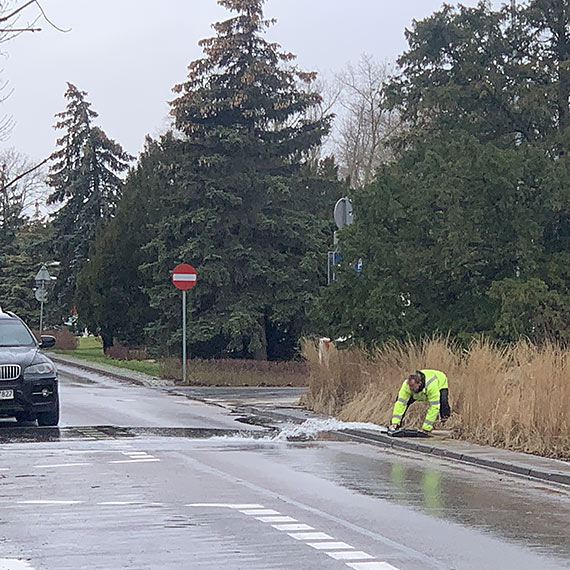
(91, 350)
(220, 372)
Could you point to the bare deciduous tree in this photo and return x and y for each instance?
(365, 124)
(330, 94)
(22, 187)
(10, 20)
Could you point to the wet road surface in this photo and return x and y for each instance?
(140, 478)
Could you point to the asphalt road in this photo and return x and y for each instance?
(140, 478)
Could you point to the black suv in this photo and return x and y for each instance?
(28, 378)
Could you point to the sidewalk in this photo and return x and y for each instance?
(279, 405)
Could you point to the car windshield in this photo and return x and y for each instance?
(14, 333)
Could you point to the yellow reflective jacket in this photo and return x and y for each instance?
(435, 381)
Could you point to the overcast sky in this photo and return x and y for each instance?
(128, 54)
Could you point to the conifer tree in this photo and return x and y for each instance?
(110, 295)
(468, 231)
(233, 209)
(85, 177)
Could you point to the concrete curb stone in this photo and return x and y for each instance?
(521, 464)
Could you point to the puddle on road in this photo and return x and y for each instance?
(31, 433)
(310, 430)
(484, 501)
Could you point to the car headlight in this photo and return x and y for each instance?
(41, 369)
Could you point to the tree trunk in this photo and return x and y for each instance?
(107, 338)
(563, 49)
(261, 352)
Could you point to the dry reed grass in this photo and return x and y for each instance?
(516, 397)
(235, 372)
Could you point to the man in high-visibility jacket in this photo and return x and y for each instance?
(425, 386)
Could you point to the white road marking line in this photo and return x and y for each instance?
(292, 527)
(260, 512)
(139, 456)
(330, 545)
(135, 460)
(4, 469)
(281, 519)
(372, 566)
(60, 465)
(49, 502)
(14, 564)
(310, 536)
(113, 503)
(338, 550)
(350, 555)
(133, 453)
(225, 505)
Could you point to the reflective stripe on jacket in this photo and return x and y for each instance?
(435, 381)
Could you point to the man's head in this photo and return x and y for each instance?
(416, 381)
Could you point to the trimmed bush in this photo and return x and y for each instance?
(64, 338)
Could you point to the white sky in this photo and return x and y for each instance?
(128, 54)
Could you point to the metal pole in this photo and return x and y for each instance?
(184, 337)
(41, 314)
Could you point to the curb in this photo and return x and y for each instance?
(387, 441)
(88, 368)
(426, 449)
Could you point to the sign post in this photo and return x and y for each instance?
(343, 216)
(184, 278)
(42, 278)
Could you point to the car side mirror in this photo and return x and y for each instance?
(47, 341)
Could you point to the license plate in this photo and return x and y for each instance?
(6, 394)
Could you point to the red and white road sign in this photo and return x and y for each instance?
(184, 277)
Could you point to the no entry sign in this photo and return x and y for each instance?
(184, 277)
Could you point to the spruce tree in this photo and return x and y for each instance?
(110, 295)
(235, 204)
(85, 177)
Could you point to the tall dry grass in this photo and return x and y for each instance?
(516, 397)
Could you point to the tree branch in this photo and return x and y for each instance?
(14, 180)
(6, 30)
(5, 18)
(29, 29)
